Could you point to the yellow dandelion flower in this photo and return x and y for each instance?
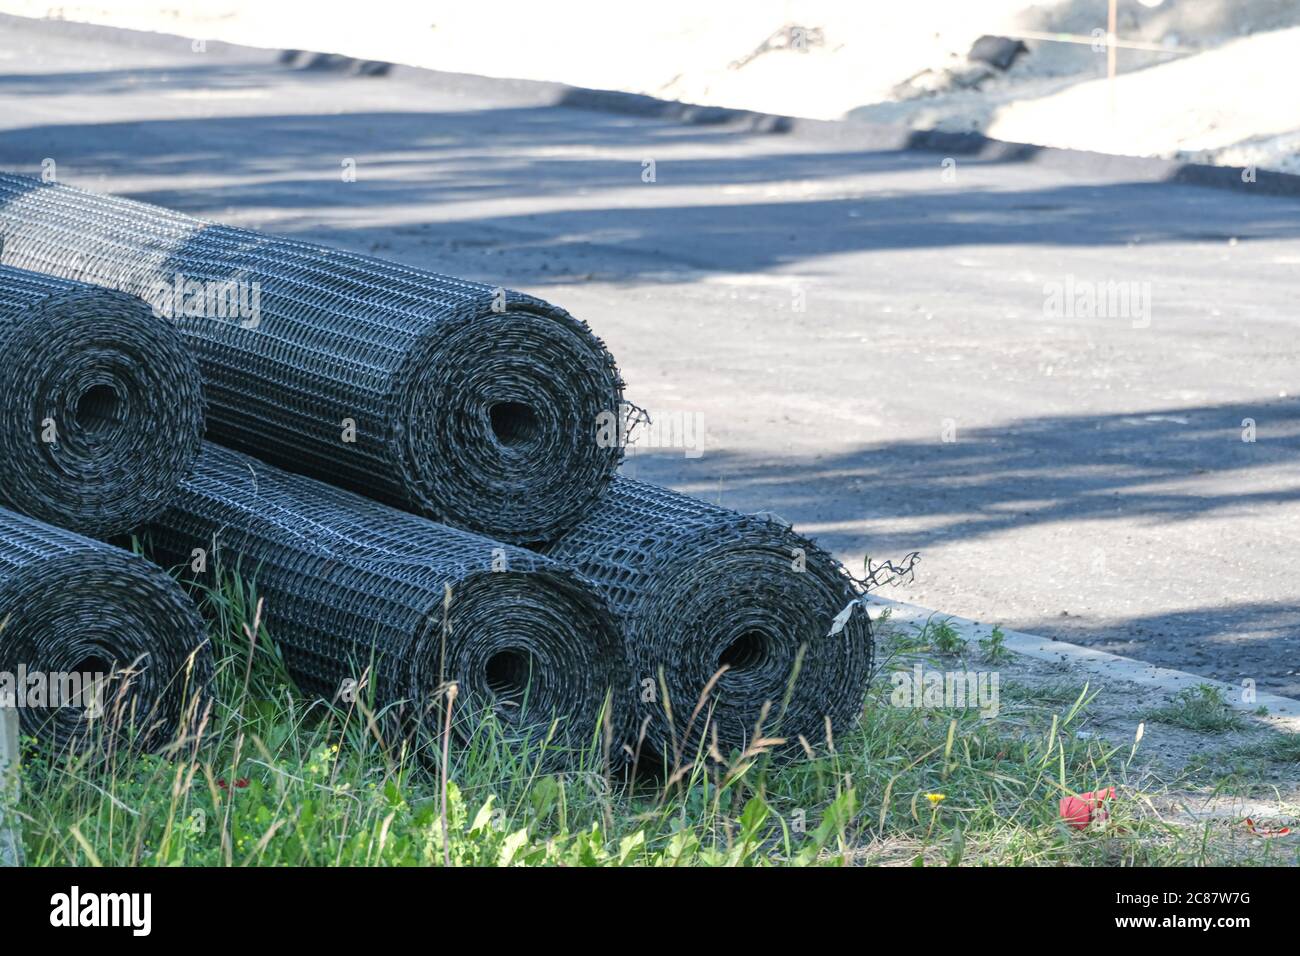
(935, 798)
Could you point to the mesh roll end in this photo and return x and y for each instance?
(105, 623)
(101, 405)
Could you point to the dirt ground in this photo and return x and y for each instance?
(1184, 775)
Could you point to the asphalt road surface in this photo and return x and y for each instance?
(869, 338)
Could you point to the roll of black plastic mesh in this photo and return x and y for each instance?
(96, 644)
(356, 594)
(699, 588)
(101, 404)
(471, 405)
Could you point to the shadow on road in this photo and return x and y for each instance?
(579, 173)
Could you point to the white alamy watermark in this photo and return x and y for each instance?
(41, 690)
(1074, 298)
(228, 299)
(637, 431)
(73, 909)
(933, 689)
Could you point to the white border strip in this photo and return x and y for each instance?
(1283, 712)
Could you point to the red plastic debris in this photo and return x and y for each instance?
(1266, 832)
(1080, 811)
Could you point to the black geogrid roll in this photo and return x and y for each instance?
(349, 584)
(472, 405)
(101, 404)
(73, 606)
(698, 586)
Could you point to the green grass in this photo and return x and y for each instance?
(1052, 693)
(1200, 708)
(994, 647)
(944, 639)
(1281, 748)
(1258, 769)
(272, 777)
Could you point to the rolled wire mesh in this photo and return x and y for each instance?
(113, 646)
(101, 404)
(699, 588)
(358, 594)
(468, 404)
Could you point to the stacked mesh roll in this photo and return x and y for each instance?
(101, 404)
(71, 607)
(698, 587)
(353, 589)
(471, 405)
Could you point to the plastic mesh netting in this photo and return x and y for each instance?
(114, 645)
(471, 405)
(698, 587)
(101, 404)
(353, 589)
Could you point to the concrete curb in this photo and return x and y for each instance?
(1283, 712)
(864, 135)
(846, 133)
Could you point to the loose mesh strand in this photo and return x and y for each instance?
(469, 404)
(101, 404)
(697, 587)
(355, 591)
